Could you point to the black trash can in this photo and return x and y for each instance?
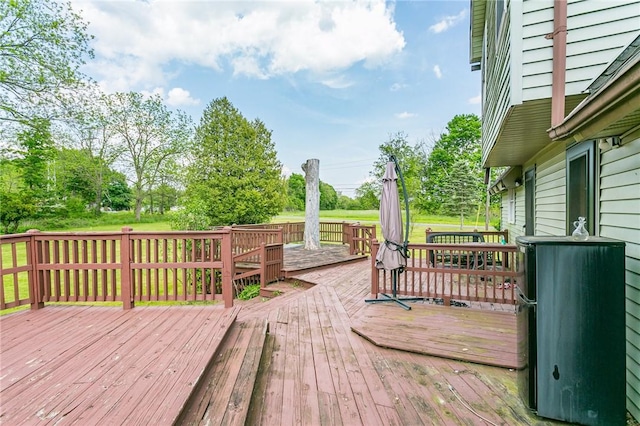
(571, 328)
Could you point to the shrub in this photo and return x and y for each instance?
(249, 292)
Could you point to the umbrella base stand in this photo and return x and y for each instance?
(399, 301)
(394, 294)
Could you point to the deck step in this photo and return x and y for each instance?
(225, 391)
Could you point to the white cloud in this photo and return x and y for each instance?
(139, 44)
(180, 97)
(437, 71)
(405, 115)
(448, 22)
(475, 100)
(397, 86)
(337, 83)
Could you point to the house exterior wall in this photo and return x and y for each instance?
(517, 76)
(620, 219)
(496, 91)
(517, 59)
(596, 35)
(550, 193)
(515, 229)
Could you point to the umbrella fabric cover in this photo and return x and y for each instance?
(390, 256)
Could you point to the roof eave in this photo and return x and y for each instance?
(614, 100)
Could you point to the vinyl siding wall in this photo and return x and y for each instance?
(515, 229)
(597, 33)
(496, 64)
(620, 219)
(550, 193)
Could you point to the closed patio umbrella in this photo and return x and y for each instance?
(392, 255)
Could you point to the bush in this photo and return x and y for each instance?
(13, 209)
(193, 217)
(249, 292)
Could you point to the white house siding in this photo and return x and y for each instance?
(515, 229)
(597, 33)
(496, 90)
(550, 193)
(620, 219)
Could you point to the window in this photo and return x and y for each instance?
(581, 185)
(511, 196)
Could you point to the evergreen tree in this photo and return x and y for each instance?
(235, 173)
(454, 164)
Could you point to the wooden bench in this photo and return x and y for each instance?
(464, 258)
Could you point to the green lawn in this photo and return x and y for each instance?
(419, 222)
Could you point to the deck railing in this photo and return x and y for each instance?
(360, 238)
(483, 272)
(357, 236)
(130, 267)
(124, 266)
(489, 236)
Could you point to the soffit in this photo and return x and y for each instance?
(524, 132)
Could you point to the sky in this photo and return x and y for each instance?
(332, 80)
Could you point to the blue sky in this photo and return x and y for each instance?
(332, 80)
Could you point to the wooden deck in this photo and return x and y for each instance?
(98, 365)
(297, 260)
(312, 369)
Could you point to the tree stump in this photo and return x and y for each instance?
(312, 208)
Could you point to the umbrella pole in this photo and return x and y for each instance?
(394, 293)
(395, 274)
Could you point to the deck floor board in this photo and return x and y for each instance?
(140, 365)
(128, 370)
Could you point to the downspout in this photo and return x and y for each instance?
(559, 36)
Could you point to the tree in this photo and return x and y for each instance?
(410, 159)
(464, 190)
(295, 192)
(36, 150)
(42, 46)
(152, 135)
(456, 156)
(14, 207)
(234, 176)
(368, 196)
(90, 132)
(328, 196)
(117, 194)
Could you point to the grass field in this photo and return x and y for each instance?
(418, 222)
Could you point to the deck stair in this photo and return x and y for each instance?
(224, 392)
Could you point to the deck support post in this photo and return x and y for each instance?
(125, 271)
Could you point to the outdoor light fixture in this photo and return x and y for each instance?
(610, 142)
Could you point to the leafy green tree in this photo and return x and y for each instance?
(347, 203)
(328, 197)
(117, 195)
(368, 196)
(42, 46)
(455, 157)
(74, 169)
(14, 207)
(235, 172)
(93, 141)
(152, 136)
(295, 192)
(36, 151)
(410, 159)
